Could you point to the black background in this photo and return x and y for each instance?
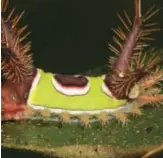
(71, 36)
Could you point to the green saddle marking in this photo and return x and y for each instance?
(45, 95)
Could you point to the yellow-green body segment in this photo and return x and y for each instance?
(44, 94)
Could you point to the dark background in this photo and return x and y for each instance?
(71, 36)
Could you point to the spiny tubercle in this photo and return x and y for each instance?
(127, 51)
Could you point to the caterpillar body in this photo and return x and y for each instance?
(29, 92)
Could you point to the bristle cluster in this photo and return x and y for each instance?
(151, 80)
(121, 86)
(143, 71)
(151, 99)
(150, 88)
(85, 118)
(145, 62)
(144, 34)
(131, 65)
(16, 59)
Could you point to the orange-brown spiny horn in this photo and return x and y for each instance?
(130, 65)
(128, 48)
(16, 59)
(129, 42)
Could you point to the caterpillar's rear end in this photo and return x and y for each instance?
(134, 76)
(16, 64)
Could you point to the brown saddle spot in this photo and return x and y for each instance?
(71, 81)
